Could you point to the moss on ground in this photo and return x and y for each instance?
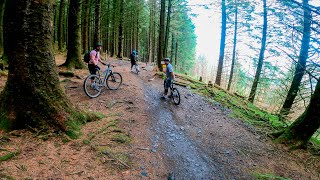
(259, 176)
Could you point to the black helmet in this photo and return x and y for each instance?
(98, 44)
(167, 59)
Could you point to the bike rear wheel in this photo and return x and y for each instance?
(137, 68)
(175, 96)
(92, 86)
(114, 81)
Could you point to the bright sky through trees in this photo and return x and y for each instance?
(208, 27)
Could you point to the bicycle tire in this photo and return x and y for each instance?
(175, 96)
(114, 81)
(92, 86)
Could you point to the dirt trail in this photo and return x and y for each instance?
(199, 140)
(194, 140)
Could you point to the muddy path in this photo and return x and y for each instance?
(184, 157)
(198, 139)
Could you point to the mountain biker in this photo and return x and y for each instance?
(133, 58)
(94, 59)
(169, 77)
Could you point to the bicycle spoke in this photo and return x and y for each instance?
(92, 86)
(114, 81)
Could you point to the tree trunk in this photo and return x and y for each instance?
(120, 42)
(300, 132)
(32, 95)
(161, 34)
(113, 28)
(150, 54)
(86, 26)
(154, 32)
(222, 42)
(74, 59)
(137, 26)
(172, 47)
(107, 27)
(2, 5)
(301, 65)
(60, 25)
(176, 57)
(97, 22)
(234, 46)
(261, 56)
(55, 23)
(166, 42)
(66, 25)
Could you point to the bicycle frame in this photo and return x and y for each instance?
(107, 72)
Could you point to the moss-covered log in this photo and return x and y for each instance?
(299, 133)
(32, 95)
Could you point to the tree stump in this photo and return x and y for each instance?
(200, 79)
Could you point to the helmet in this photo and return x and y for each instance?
(98, 44)
(134, 52)
(167, 59)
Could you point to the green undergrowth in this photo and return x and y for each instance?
(110, 141)
(259, 176)
(244, 109)
(8, 156)
(77, 120)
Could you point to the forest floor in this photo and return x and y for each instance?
(145, 137)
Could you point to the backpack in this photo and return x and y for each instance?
(86, 57)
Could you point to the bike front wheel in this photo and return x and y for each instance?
(114, 81)
(175, 96)
(92, 86)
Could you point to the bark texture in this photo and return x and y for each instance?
(301, 65)
(261, 55)
(161, 34)
(2, 5)
(60, 25)
(74, 59)
(299, 133)
(222, 42)
(32, 95)
(234, 51)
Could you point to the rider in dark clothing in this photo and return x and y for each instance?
(133, 58)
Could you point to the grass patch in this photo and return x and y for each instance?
(121, 138)
(112, 123)
(8, 156)
(243, 109)
(120, 158)
(78, 119)
(3, 73)
(268, 177)
(6, 177)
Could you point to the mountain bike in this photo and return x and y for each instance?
(94, 83)
(136, 68)
(174, 94)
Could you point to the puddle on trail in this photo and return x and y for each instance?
(186, 160)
